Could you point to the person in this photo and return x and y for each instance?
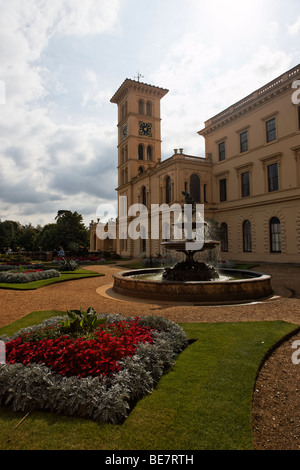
(61, 252)
(9, 251)
(54, 253)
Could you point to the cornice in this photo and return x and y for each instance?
(140, 87)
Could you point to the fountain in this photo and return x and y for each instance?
(192, 280)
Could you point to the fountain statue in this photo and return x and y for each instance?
(190, 269)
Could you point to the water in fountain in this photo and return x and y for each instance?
(190, 269)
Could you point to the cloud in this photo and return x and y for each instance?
(46, 150)
(294, 28)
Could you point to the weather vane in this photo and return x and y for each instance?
(139, 76)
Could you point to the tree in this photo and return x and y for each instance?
(71, 232)
(9, 233)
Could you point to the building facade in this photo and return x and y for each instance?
(249, 180)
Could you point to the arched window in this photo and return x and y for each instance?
(141, 169)
(141, 152)
(149, 108)
(168, 189)
(224, 237)
(195, 187)
(247, 236)
(144, 196)
(141, 107)
(275, 235)
(149, 153)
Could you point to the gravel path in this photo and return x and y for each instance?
(276, 401)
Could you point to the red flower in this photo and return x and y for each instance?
(82, 357)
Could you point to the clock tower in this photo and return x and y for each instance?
(139, 129)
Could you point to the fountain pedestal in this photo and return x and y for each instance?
(190, 269)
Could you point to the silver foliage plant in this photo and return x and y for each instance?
(102, 399)
(19, 277)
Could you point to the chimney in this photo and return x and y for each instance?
(175, 151)
(180, 150)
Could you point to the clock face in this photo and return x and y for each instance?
(125, 131)
(145, 128)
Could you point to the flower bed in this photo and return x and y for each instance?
(19, 277)
(11, 266)
(98, 375)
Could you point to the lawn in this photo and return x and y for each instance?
(203, 402)
(65, 276)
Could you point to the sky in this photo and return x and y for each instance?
(61, 61)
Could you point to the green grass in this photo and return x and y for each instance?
(65, 276)
(203, 402)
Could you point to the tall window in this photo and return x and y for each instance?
(245, 182)
(275, 235)
(223, 190)
(247, 236)
(141, 107)
(244, 141)
(298, 117)
(224, 237)
(195, 187)
(168, 189)
(271, 130)
(141, 152)
(144, 196)
(273, 184)
(205, 192)
(149, 153)
(221, 151)
(149, 108)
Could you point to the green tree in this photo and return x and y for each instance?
(47, 238)
(9, 234)
(71, 231)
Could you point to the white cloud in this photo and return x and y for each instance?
(294, 28)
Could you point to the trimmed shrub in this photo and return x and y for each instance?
(11, 277)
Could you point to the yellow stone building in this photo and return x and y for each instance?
(248, 181)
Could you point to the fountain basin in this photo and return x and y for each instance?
(245, 286)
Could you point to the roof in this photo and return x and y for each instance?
(143, 87)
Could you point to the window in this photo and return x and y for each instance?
(141, 152)
(245, 181)
(141, 107)
(275, 235)
(247, 236)
(244, 141)
(273, 177)
(223, 190)
(195, 187)
(149, 108)
(149, 153)
(271, 130)
(299, 117)
(168, 189)
(224, 237)
(205, 192)
(221, 151)
(144, 196)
